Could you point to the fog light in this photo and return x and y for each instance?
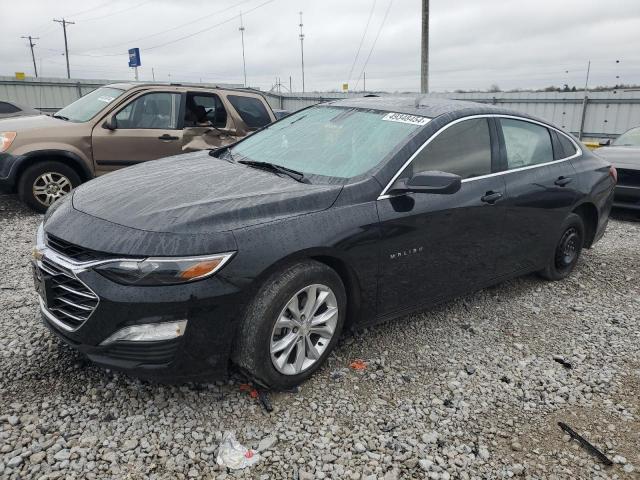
(148, 332)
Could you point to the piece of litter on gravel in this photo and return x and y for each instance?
(585, 444)
(562, 361)
(358, 365)
(263, 396)
(232, 454)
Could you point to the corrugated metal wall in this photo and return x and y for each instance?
(607, 113)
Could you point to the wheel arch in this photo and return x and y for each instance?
(589, 214)
(68, 158)
(334, 260)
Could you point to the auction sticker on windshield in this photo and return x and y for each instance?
(106, 99)
(405, 118)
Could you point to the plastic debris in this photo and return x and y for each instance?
(232, 454)
(585, 444)
(358, 365)
(562, 361)
(263, 396)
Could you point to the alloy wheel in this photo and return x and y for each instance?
(304, 329)
(50, 186)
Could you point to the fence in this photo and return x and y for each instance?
(600, 115)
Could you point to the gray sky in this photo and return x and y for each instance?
(474, 44)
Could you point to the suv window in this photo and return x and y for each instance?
(204, 110)
(8, 108)
(526, 143)
(157, 110)
(463, 149)
(251, 110)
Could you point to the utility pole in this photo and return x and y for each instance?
(33, 57)
(66, 46)
(364, 84)
(424, 62)
(244, 65)
(585, 100)
(302, 50)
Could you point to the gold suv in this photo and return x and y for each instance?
(44, 157)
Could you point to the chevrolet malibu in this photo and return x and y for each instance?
(340, 215)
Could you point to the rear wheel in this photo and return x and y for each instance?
(292, 325)
(567, 250)
(43, 183)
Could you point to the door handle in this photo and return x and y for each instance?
(491, 197)
(563, 181)
(166, 136)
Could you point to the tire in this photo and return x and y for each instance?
(566, 252)
(52, 179)
(257, 347)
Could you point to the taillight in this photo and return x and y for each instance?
(613, 173)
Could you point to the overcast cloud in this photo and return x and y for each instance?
(474, 44)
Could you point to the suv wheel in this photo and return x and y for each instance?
(291, 325)
(567, 250)
(43, 183)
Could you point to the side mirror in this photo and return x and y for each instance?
(442, 183)
(110, 123)
(605, 143)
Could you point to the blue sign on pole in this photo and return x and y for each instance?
(134, 57)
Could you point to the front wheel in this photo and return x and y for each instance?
(43, 183)
(567, 250)
(291, 325)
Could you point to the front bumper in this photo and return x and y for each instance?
(212, 308)
(627, 196)
(8, 170)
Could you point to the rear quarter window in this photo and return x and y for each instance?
(251, 110)
(8, 108)
(568, 148)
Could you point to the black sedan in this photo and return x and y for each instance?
(340, 215)
(624, 154)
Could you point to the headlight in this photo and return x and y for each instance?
(163, 270)
(6, 139)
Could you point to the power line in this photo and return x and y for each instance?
(163, 32)
(66, 47)
(33, 57)
(179, 39)
(116, 12)
(364, 34)
(384, 19)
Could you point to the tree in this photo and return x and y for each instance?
(494, 88)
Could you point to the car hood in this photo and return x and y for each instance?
(621, 157)
(31, 122)
(196, 193)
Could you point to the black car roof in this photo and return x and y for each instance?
(422, 105)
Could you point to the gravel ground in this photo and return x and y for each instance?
(467, 390)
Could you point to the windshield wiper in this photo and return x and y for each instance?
(296, 175)
(61, 117)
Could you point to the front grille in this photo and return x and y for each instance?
(68, 299)
(74, 252)
(628, 177)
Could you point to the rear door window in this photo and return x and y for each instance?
(526, 143)
(158, 110)
(204, 110)
(463, 149)
(251, 110)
